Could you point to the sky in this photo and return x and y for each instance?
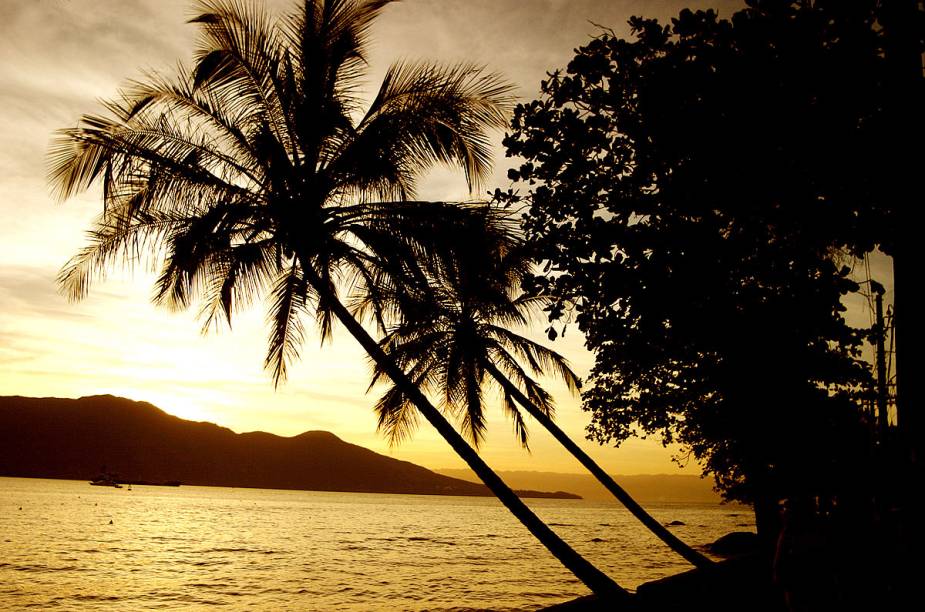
(59, 57)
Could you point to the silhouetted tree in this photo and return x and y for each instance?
(691, 192)
(257, 172)
(455, 340)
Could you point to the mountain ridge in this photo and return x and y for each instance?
(137, 441)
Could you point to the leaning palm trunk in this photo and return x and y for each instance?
(592, 577)
(616, 490)
(460, 319)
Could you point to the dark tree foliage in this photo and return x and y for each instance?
(693, 194)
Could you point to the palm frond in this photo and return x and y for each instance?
(517, 419)
(427, 114)
(116, 238)
(324, 315)
(290, 303)
(153, 163)
(331, 39)
(74, 163)
(177, 97)
(513, 379)
(415, 349)
(540, 398)
(192, 249)
(398, 416)
(541, 359)
(238, 276)
(239, 60)
(473, 424)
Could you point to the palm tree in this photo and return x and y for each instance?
(454, 340)
(259, 172)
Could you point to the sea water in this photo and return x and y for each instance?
(66, 545)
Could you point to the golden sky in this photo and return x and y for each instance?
(57, 57)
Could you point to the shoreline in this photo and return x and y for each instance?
(739, 583)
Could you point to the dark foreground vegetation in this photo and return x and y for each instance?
(699, 198)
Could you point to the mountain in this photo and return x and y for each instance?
(138, 442)
(649, 488)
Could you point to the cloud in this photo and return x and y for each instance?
(56, 58)
(31, 291)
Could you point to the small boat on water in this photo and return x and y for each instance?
(105, 482)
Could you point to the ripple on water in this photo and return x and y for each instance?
(252, 549)
(237, 550)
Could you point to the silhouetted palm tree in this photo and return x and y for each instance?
(258, 171)
(455, 340)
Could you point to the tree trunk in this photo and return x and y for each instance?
(689, 554)
(767, 521)
(592, 577)
(901, 21)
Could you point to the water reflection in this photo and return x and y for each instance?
(170, 548)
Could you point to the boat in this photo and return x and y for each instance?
(105, 482)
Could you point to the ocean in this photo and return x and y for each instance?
(66, 545)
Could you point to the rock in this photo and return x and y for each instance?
(675, 523)
(734, 544)
(733, 585)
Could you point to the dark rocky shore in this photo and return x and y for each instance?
(736, 584)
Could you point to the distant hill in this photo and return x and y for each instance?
(138, 442)
(643, 487)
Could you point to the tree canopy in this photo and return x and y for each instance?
(694, 195)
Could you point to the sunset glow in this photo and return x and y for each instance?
(57, 58)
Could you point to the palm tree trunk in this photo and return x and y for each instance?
(592, 577)
(691, 555)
